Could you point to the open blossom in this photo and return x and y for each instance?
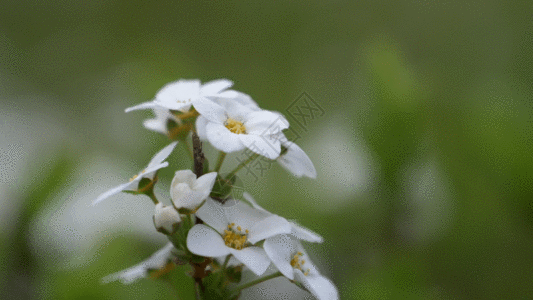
(297, 230)
(157, 261)
(231, 126)
(149, 172)
(182, 94)
(235, 230)
(166, 218)
(288, 255)
(189, 192)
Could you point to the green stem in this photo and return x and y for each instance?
(221, 157)
(188, 148)
(225, 265)
(223, 270)
(254, 282)
(241, 165)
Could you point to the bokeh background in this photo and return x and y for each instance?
(423, 149)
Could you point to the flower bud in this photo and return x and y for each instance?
(166, 219)
(189, 192)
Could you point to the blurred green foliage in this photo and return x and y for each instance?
(414, 81)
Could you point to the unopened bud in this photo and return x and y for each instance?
(166, 218)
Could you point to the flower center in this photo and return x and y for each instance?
(235, 239)
(235, 126)
(297, 263)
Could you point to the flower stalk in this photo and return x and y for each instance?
(242, 165)
(220, 160)
(238, 289)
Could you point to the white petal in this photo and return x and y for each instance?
(261, 145)
(156, 125)
(246, 100)
(157, 261)
(269, 227)
(210, 110)
(205, 241)
(190, 200)
(205, 183)
(184, 176)
(235, 96)
(145, 105)
(305, 234)
(228, 94)
(321, 287)
(223, 139)
(254, 258)
(280, 250)
(296, 161)
(178, 94)
(265, 123)
(213, 215)
(252, 201)
(162, 155)
(149, 171)
(243, 215)
(201, 123)
(235, 110)
(115, 190)
(127, 276)
(216, 86)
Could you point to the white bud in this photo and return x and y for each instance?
(189, 192)
(166, 218)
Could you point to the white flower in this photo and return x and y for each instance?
(166, 218)
(149, 172)
(188, 192)
(297, 230)
(157, 261)
(234, 230)
(288, 255)
(180, 95)
(231, 126)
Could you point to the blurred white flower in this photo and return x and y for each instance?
(231, 126)
(182, 94)
(157, 261)
(149, 172)
(297, 230)
(288, 255)
(166, 218)
(234, 230)
(189, 192)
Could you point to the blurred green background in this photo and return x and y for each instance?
(423, 152)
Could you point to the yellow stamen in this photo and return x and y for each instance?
(133, 178)
(298, 263)
(235, 126)
(234, 239)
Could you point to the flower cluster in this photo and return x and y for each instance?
(219, 236)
